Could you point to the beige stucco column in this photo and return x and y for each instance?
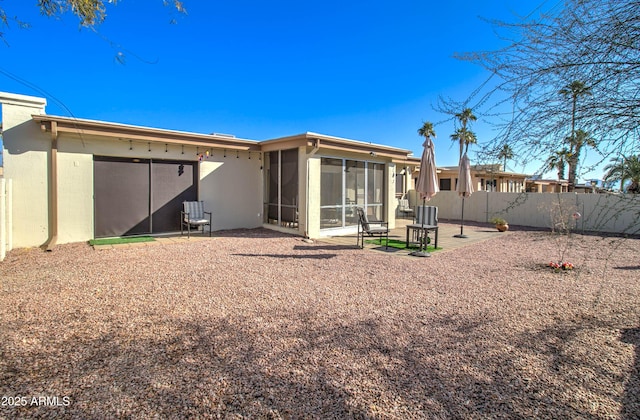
(313, 197)
(391, 203)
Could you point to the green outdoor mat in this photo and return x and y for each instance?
(394, 243)
(121, 240)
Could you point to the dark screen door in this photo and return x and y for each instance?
(171, 184)
(140, 196)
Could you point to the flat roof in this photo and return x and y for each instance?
(87, 127)
(323, 141)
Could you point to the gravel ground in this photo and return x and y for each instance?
(257, 324)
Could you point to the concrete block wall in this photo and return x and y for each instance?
(606, 213)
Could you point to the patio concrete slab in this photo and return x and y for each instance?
(446, 240)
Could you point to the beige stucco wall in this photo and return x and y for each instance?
(232, 188)
(229, 185)
(599, 212)
(25, 153)
(75, 195)
(302, 191)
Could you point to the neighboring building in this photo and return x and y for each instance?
(547, 185)
(590, 186)
(75, 179)
(485, 177)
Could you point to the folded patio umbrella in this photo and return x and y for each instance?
(464, 187)
(427, 184)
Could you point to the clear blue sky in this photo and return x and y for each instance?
(367, 71)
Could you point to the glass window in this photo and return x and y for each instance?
(273, 171)
(400, 184)
(354, 190)
(282, 187)
(331, 193)
(331, 182)
(346, 184)
(375, 190)
(289, 186)
(445, 184)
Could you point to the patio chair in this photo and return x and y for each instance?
(403, 207)
(193, 215)
(430, 214)
(379, 229)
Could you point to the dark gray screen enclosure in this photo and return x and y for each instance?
(139, 196)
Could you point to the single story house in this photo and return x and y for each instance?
(538, 185)
(485, 177)
(70, 179)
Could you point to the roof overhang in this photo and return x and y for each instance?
(81, 128)
(547, 181)
(322, 141)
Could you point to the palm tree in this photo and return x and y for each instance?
(426, 130)
(579, 139)
(574, 90)
(470, 139)
(557, 161)
(505, 153)
(627, 169)
(465, 138)
(464, 117)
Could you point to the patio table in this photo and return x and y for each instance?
(424, 229)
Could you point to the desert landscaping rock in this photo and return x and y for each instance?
(257, 324)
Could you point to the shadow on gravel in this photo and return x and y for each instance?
(325, 247)
(294, 365)
(290, 256)
(252, 233)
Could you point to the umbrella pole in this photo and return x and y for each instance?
(423, 237)
(461, 235)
